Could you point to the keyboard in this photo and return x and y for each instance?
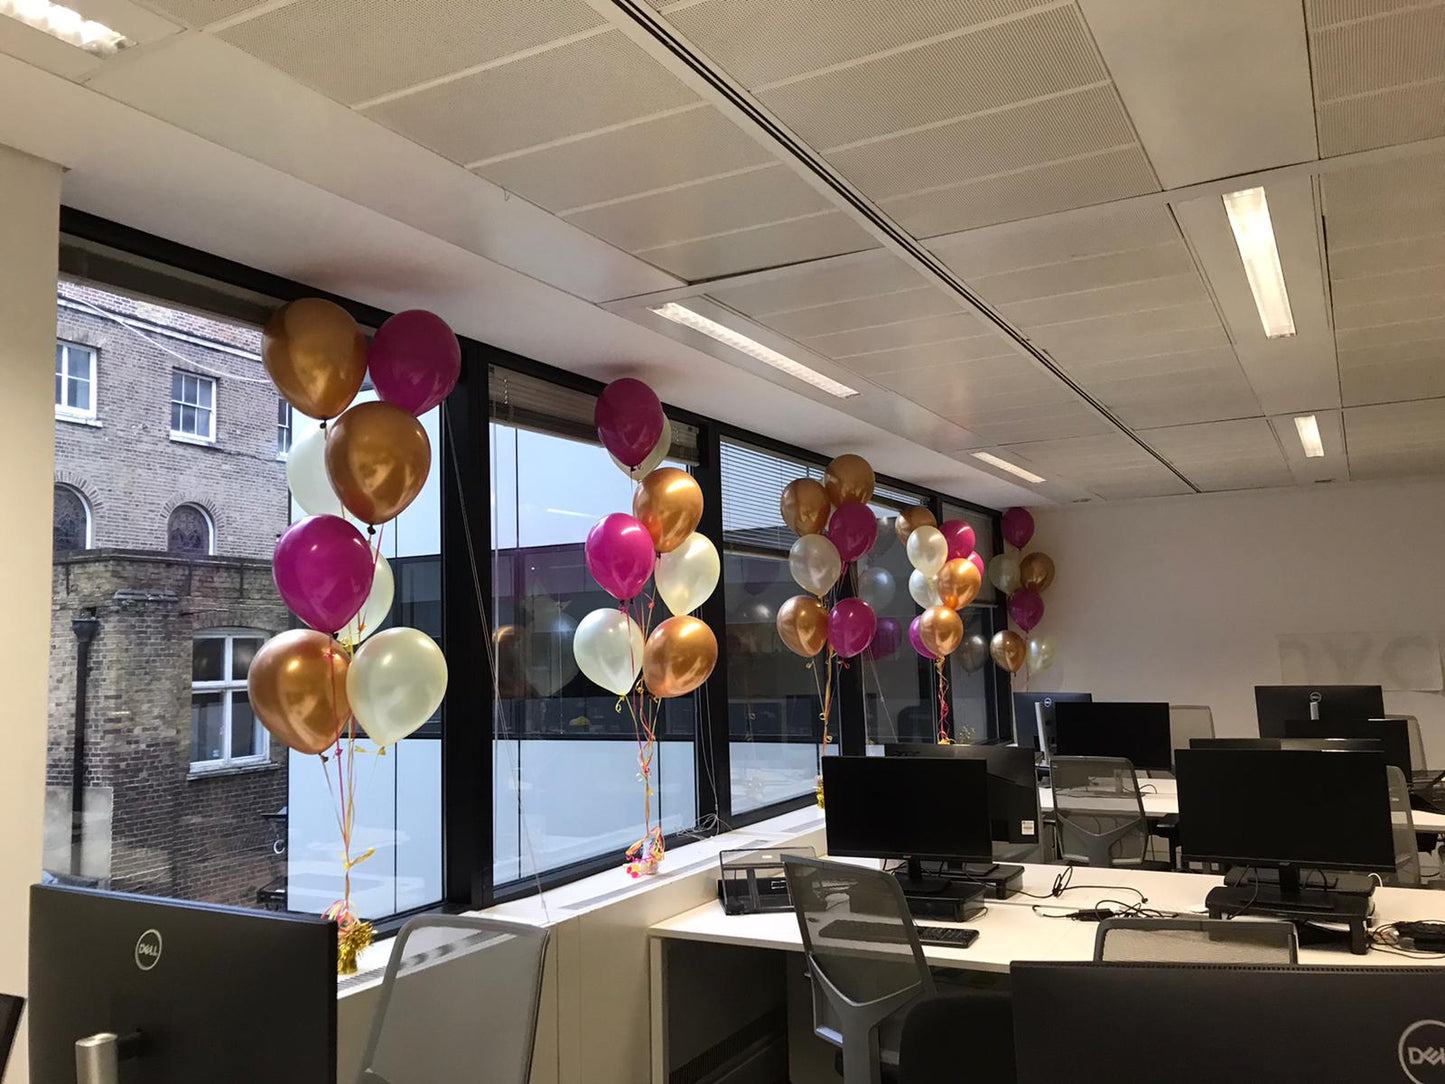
(849, 929)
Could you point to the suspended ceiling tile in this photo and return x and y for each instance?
(761, 41)
(977, 347)
(1382, 119)
(1033, 134)
(1356, 294)
(1073, 351)
(1191, 315)
(995, 250)
(1400, 334)
(865, 312)
(354, 50)
(985, 383)
(1178, 399)
(1333, 466)
(199, 13)
(1368, 205)
(1401, 255)
(809, 287)
(773, 245)
(708, 207)
(1086, 273)
(1129, 297)
(1109, 464)
(1241, 454)
(934, 329)
(998, 65)
(652, 154)
(1396, 310)
(1392, 373)
(1396, 440)
(1371, 54)
(1007, 428)
(566, 91)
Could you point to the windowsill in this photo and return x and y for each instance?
(78, 419)
(231, 769)
(199, 442)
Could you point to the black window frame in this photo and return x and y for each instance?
(185, 276)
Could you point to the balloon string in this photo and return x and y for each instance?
(944, 737)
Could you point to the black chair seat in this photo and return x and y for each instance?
(958, 1035)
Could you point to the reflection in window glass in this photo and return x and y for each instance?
(968, 666)
(775, 698)
(567, 786)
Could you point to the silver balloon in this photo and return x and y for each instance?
(972, 653)
(924, 589)
(1004, 573)
(1042, 650)
(876, 587)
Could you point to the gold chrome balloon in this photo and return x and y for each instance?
(377, 457)
(668, 502)
(803, 625)
(848, 478)
(1008, 650)
(941, 630)
(909, 518)
(805, 506)
(315, 354)
(1037, 570)
(679, 656)
(297, 685)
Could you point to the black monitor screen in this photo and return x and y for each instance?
(907, 807)
(1393, 734)
(1359, 745)
(1137, 732)
(1288, 807)
(1276, 703)
(1013, 787)
(1026, 731)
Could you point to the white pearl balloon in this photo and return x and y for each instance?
(924, 589)
(815, 564)
(1041, 652)
(396, 682)
(306, 471)
(688, 575)
(927, 550)
(608, 646)
(876, 587)
(1004, 572)
(377, 605)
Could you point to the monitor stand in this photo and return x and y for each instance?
(1289, 901)
(914, 883)
(1353, 884)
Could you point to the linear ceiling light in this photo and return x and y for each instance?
(1248, 213)
(679, 314)
(1309, 436)
(1004, 464)
(66, 24)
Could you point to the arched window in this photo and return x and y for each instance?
(190, 531)
(72, 520)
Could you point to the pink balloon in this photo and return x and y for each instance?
(852, 529)
(916, 639)
(960, 538)
(1018, 527)
(851, 626)
(323, 568)
(415, 360)
(977, 562)
(620, 555)
(886, 639)
(1026, 607)
(629, 420)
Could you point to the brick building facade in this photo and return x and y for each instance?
(182, 823)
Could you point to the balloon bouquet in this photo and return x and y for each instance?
(1023, 581)
(947, 575)
(835, 528)
(312, 687)
(658, 542)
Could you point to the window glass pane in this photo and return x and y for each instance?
(207, 727)
(208, 659)
(775, 698)
(188, 531)
(178, 387)
(79, 394)
(243, 726)
(204, 390)
(242, 652)
(899, 686)
(71, 520)
(566, 755)
(969, 666)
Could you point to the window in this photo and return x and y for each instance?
(190, 531)
(283, 428)
(193, 406)
(976, 680)
(74, 381)
(224, 732)
(72, 520)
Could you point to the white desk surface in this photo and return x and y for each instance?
(1164, 802)
(1011, 930)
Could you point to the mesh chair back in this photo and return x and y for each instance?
(1402, 826)
(1098, 811)
(459, 1003)
(1189, 721)
(1195, 941)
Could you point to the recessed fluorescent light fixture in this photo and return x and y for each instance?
(1248, 212)
(1004, 464)
(1309, 436)
(66, 24)
(680, 314)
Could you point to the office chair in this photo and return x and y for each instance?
(1402, 826)
(1417, 741)
(459, 1003)
(1099, 813)
(864, 959)
(1189, 721)
(1195, 941)
(958, 1035)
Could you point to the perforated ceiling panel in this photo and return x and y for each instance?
(1396, 440)
(198, 13)
(1378, 75)
(1110, 464)
(354, 50)
(830, 233)
(805, 287)
(1240, 454)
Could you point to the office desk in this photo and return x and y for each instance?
(1010, 930)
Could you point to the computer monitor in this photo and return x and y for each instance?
(1392, 734)
(1013, 789)
(1359, 745)
(1033, 711)
(1139, 732)
(1089, 1023)
(1286, 809)
(194, 992)
(918, 808)
(1276, 703)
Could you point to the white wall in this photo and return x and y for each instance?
(1182, 598)
(29, 243)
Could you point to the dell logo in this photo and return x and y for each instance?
(1422, 1052)
(148, 950)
